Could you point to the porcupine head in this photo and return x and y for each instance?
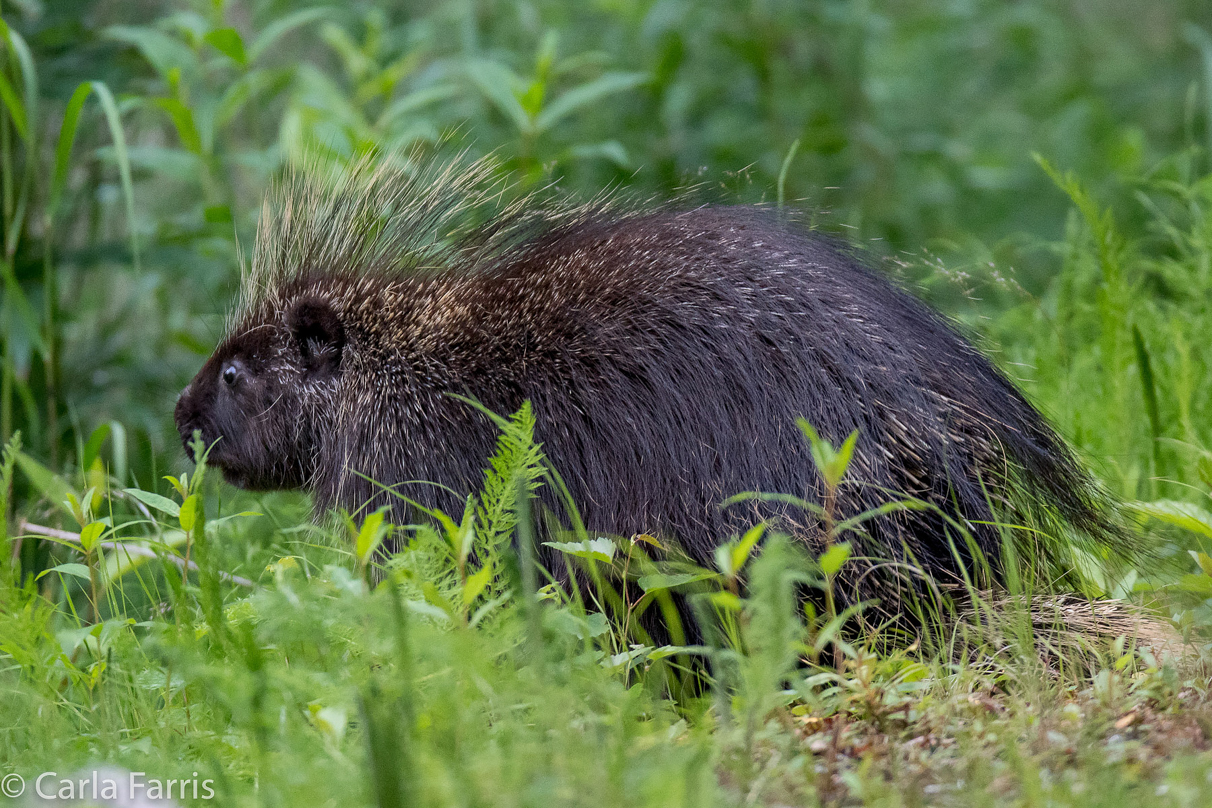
(322, 304)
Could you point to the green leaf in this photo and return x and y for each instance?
(723, 560)
(93, 447)
(434, 598)
(497, 84)
(726, 601)
(841, 461)
(476, 584)
(217, 214)
(832, 559)
(1198, 584)
(283, 25)
(181, 486)
(1181, 514)
(372, 533)
(1203, 560)
(658, 582)
(822, 452)
(414, 101)
(163, 52)
(467, 530)
(188, 515)
(744, 548)
(29, 80)
(162, 504)
(114, 120)
(90, 534)
(611, 150)
(63, 147)
(50, 485)
(244, 89)
(228, 42)
(214, 523)
(584, 95)
(117, 448)
(16, 110)
(183, 120)
(77, 570)
(17, 303)
(599, 549)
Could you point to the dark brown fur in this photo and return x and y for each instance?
(667, 356)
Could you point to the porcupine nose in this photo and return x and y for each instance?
(187, 418)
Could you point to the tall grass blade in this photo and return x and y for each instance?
(114, 119)
(1149, 390)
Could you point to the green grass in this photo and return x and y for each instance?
(323, 682)
(1038, 170)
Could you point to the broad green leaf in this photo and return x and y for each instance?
(832, 559)
(50, 485)
(77, 570)
(726, 601)
(93, 447)
(371, 534)
(744, 548)
(584, 95)
(117, 448)
(90, 534)
(434, 598)
(283, 25)
(181, 486)
(841, 461)
(1198, 584)
(63, 148)
(1181, 514)
(1203, 560)
(16, 302)
(29, 80)
(723, 559)
(476, 584)
(163, 52)
(822, 451)
(162, 504)
(497, 83)
(658, 582)
(188, 515)
(611, 150)
(599, 549)
(16, 110)
(228, 42)
(183, 120)
(414, 101)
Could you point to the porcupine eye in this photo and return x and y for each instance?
(229, 376)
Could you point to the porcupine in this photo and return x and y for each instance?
(667, 352)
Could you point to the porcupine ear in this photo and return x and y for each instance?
(318, 334)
